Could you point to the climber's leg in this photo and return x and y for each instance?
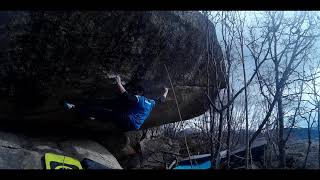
(122, 121)
(118, 117)
(112, 103)
(103, 113)
(89, 111)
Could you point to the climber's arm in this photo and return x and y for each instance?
(163, 97)
(124, 94)
(120, 86)
(131, 99)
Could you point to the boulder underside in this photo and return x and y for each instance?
(46, 57)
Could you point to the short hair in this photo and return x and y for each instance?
(139, 89)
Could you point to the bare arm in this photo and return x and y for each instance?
(124, 94)
(163, 97)
(166, 90)
(120, 86)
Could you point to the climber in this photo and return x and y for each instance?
(127, 111)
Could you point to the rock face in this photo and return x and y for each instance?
(148, 153)
(20, 152)
(46, 57)
(157, 152)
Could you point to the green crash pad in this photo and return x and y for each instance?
(54, 161)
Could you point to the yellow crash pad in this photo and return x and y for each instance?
(54, 161)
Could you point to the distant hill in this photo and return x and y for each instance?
(301, 133)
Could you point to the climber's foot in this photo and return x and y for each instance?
(69, 105)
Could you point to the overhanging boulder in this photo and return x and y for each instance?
(49, 56)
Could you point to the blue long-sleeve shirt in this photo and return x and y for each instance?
(140, 108)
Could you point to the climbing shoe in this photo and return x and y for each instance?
(68, 105)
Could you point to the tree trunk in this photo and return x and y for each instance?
(309, 145)
(228, 138)
(228, 117)
(268, 148)
(282, 156)
(281, 142)
(246, 106)
(211, 113)
(218, 144)
(212, 134)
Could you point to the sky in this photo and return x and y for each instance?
(250, 66)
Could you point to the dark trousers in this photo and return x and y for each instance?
(107, 110)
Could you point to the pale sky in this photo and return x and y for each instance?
(250, 66)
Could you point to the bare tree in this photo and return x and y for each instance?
(281, 42)
(240, 31)
(232, 27)
(316, 104)
(289, 40)
(314, 97)
(310, 121)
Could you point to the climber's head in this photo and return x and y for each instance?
(139, 90)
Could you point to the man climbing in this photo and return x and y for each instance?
(127, 111)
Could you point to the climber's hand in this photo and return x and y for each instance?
(165, 93)
(118, 79)
(165, 89)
